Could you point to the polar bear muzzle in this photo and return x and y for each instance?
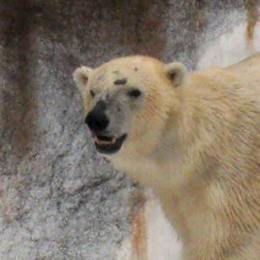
(98, 123)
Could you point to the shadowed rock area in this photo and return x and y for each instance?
(58, 198)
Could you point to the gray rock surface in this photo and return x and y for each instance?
(59, 199)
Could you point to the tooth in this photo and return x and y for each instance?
(101, 142)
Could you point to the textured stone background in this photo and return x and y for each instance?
(58, 198)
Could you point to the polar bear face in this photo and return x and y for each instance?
(127, 101)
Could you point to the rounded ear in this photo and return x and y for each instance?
(176, 72)
(81, 76)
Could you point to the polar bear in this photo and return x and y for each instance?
(194, 138)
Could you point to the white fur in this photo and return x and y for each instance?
(80, 77)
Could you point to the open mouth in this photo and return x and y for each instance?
(108, 144)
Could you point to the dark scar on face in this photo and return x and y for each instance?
(120, 81)
(136, 69)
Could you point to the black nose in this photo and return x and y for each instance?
(96, 119)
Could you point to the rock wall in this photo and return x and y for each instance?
(58, 198)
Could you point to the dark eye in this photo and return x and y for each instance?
(134, 93)
(92, 93)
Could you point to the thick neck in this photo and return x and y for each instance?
(195, 134)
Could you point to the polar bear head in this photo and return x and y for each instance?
(128, 102)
